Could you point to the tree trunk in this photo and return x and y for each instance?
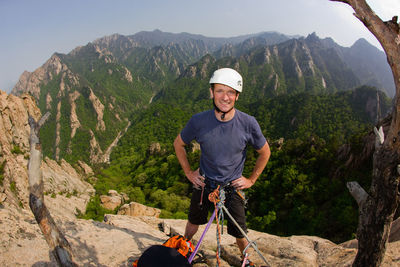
(377, 209)
(59, 246)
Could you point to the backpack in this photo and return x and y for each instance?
(173, 252)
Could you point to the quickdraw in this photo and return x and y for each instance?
(218, 198)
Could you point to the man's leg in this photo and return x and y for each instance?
(241, 243)
(197, 213)
(190, 230)
(236, 209)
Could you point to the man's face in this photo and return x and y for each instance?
(224, 97)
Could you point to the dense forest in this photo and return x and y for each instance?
(301, 191)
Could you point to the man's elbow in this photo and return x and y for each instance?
(178, 143)
(265, 151)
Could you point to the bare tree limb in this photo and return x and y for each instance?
(59, 246)
(42, 120)
(380, 137)
(357, 192)
(342, 1)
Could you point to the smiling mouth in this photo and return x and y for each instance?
(224, 106)
(225, 103)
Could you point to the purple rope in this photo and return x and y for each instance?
(201, 238)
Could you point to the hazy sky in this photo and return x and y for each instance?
(31, 31)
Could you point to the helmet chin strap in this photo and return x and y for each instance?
(220, 111)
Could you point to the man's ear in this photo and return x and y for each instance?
(211, 93)
(237, 96)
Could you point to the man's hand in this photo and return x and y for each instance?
(242, 183)
(263, 156)
(196, 179)
(194, 176)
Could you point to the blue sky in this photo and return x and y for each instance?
(31, 31)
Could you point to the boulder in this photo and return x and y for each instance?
(135, 209)
(155, 148)
(110, 202)
(113, 193)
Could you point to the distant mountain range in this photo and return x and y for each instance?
(93, 90)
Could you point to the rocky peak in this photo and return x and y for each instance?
(30, 82)
(313, 38)
(200, 69)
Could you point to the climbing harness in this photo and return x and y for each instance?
(218, 198)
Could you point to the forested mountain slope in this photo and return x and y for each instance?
(305, 92)
(93, 90)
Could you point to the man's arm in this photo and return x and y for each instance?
(263, 156)
(194, 176)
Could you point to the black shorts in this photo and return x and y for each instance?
(198, 214)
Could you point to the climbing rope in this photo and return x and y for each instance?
(251, 243)
(218, 198)
(214, 197)
(246, 256)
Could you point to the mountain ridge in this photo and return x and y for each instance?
(116, 75)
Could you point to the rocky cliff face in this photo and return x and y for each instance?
(59, 88)
(14, 147)
(62, 182)
(59, 178)
(122, 239)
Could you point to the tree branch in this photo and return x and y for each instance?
(380, 137)
(342, 1)
(59, 246)
(357, 192)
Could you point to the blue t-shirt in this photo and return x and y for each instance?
(223, 144)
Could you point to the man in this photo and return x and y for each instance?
(223, 134)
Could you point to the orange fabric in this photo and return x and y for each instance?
(180, 243)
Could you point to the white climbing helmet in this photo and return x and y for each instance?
(229, 77)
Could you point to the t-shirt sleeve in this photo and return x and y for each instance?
(189, 132)
(257, 139)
